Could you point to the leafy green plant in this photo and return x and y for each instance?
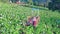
(13, 15)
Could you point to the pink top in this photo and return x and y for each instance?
(34, 19)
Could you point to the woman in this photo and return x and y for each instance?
(33, 20)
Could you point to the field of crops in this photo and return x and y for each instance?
(12, 15)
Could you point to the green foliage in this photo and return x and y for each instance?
(4, 1)
(30, 2)
(12, 15)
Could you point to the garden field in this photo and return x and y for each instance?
(12, 16)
